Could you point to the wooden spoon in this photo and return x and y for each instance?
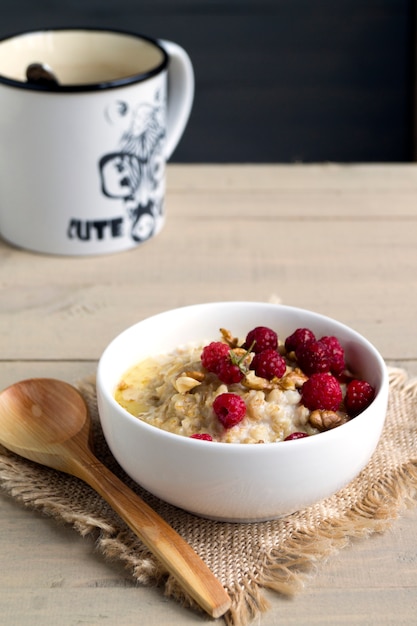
(46, 421)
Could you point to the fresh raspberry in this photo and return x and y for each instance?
(269, 364)
(299, 337)
(203, 436)
(336, 353)
(359, 395)
(295, 435)
(228, 372)
(321, 391)
(213, 353)
(313, 358)
(230, 409)
(261, 338)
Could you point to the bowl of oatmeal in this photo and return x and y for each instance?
(241, 411)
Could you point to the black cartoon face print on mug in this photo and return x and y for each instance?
(132, 173)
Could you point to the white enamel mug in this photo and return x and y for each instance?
(82, 161)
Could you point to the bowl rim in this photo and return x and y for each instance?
(380, 395)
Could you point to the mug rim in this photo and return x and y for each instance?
(85, 87)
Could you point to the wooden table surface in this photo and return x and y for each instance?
(340, 240)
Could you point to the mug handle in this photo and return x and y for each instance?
(180, 93)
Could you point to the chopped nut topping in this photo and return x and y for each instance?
(185, 383)
(251, 381)
(228, 338)
(240, 352)
(293, 380)
(325, 420)
(196, 374)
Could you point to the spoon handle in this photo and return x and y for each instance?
(162, 540)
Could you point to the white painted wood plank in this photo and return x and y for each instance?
(365, 275)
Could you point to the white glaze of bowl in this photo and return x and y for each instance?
(237, 482)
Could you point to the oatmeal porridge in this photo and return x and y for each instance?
(243, 391)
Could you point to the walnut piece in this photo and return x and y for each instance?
(325, 420)
(293, 380)
(251, 381)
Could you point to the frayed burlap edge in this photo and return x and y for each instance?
(285, 569)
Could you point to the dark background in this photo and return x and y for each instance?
(276, 80)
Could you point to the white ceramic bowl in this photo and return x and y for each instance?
(237, 482)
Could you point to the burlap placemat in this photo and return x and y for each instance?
(245, 557)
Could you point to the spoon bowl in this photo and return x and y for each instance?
(29, 420)
(46, 421)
